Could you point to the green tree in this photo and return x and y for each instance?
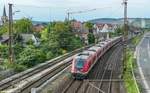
(118, 31)
(59, 39)
(44, 34)
(3, 51)
(89, 26)
(23, 25)
(91, 38)
(18, 48)
(30, 57)
(3, 29)
(65, 36)
(50, 26)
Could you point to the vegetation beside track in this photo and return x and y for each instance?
(136, 40)
(55, 39)
(130, 83)
(130, 65)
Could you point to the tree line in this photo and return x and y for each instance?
(57, 38)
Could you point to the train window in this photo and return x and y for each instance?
(107, 41)
(86, 54)
(79, 63)
(99, 46)
(103, 43)
(92, 50)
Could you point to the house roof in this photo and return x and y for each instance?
(106, 26)
(38, 27)
(100, 26)
(26, 37)
(76, 24)
(79, 27)
(4, 11)
(4, 38)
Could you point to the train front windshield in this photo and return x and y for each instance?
(79, 63)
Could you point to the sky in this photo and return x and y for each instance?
(50, 10)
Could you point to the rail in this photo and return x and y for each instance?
(104, 85)
(4, 84)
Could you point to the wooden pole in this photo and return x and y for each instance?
(10, 34)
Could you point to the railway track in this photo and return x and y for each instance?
(73, 86)
(5, 85)
(25, 85)
(24, 81)
(109, 72)
(102, 74)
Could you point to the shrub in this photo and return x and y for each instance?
(31, 57)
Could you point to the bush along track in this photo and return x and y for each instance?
(130, 65)
(129, 78)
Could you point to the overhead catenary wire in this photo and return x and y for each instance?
(111, 13)
(114, 12)
(52, 15)
(83, 11)
(51, 8)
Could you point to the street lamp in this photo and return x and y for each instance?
(15, 12)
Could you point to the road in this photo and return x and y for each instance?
(143, 60)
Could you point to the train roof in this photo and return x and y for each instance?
(84, 53)
(94, 48)
(82, 56)
(116, 38)
(103, 43)
(90, 52)
(100, 45)
(108, 40)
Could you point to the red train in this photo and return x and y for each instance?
(83, 62)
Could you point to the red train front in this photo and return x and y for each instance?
(81, 63)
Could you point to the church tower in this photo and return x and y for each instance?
(4, 18)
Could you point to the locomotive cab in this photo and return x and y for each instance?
(79, 66)
(82, 62)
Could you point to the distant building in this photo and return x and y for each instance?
(134, 30)
(27, 37)
(98, 27)
(38, 27)
(80, 30)
(76, 25)
(105, 27)
(102, 30)
(4, 17)
(1, 23)
(143, 23)
(4, 39)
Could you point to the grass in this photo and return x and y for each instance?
(136, 40)
(130, 64)
(130, 84)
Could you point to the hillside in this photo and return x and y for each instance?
(140, 22)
